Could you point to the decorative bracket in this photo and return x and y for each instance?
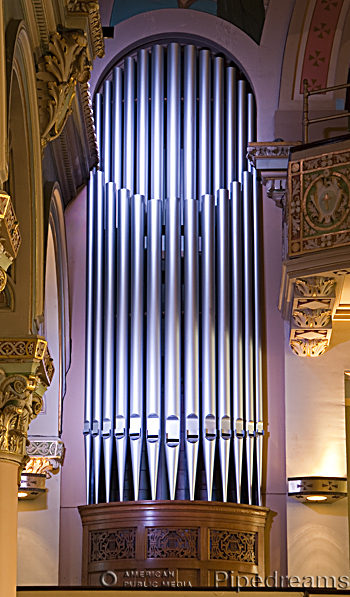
(271, 161)
(46, 455)
(26, 371)
(311, 320)
(10, 237)
(60, 69)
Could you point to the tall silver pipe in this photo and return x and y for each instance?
(157, 123)
(129, 124)
(89, 358)
(248, 261)
(122, 334)
(208, 337)
(258, 302)
(172, 340)
(98, 123)
(107, 126)
(191, 339)
(251, 117)
(218, 124)
(223, 338)
(109, 332)
(204, 124)
(136, 335)
(237, 326)
(142, 124)
(173, 120)
(190, 124)
(98, 330)
(231, 124)
(242, 129)
(154, 348)
(117, 127)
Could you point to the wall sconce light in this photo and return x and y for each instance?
(32, 485)
(326, 490)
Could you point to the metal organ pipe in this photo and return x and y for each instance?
(204, 124)
(251, 123)
(230, 151)
(117, 127)
(223, 335)
(191, 339)
(109, 332)
(248, 264)
(129, 124)
(208, 337)
(107, 122)
(237, 327)
(154, 350)
(242, 129)
(190, 128)
(142, 124)
(98, 329)
(122, 334)
(90, 242)
(157, 123)
(218, 121)
(136, 335)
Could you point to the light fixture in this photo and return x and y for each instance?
(32, 485)
(317, 489)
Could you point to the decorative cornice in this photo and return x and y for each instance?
(22, 349)
(19, 405)
(45, 456)
(61, 68)
(89, 121)
(311, 319)
(93, 10)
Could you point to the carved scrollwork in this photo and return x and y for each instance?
(312, 317)
(19, 405)
(304, 347)
(45, 456)
(317, 286)
(226, 545)
(93, 10)
(3, 279)
(119, 544)
(62, 67)
(167, 543)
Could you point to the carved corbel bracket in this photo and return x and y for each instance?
(10, 236)
(311, 320)
(271, 162)
(60, 69)
(93, 10)
(46, 455)
(26, 370)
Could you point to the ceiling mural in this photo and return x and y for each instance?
(247, 15)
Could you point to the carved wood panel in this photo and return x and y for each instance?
(240, 547)
(166, 543)
(112, 545)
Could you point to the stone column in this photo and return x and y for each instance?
(25, 372)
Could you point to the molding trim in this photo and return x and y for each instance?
(93, 10)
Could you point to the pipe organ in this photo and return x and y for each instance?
(173, 334)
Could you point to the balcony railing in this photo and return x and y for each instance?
(306, 120)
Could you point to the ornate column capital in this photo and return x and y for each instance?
(10, 237)
(60, 69)
(26, 370)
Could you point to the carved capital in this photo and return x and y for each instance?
(311, 320)
(19, 405)
(93, 10)
(10, 237)
(26, 372)
(61, 68)
(46, 455)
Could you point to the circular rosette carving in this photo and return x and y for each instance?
(326, 201)
(3, 279)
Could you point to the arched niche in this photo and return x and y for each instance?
(24, 185)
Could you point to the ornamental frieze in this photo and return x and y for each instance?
(61, 68)
(319, 203)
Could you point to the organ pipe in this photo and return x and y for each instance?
(157, 123)
(129, 124)
(242, 129)
(106, 135)
(109, 332)
(191, 339)
(136, 334)
(209, 423)
(190, 128)
(204, 124)
(218, 124)
(117, 127)
(142, 124)
(154, 350)
(230, 126)
(122, 335)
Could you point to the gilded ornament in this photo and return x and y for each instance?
(3, 279)
(304, 347)
(93, 10)
(312, 318)
(316, 286)
(62, 67)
